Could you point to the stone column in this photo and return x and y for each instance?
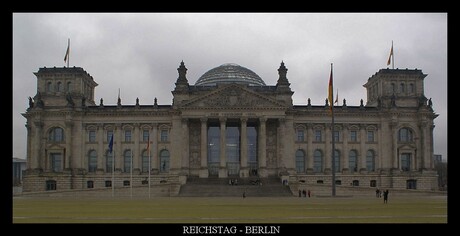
(68, 145)
(394, 146)
(154, 162)
(117, 133)
(223, 150)
(288, 158)
(262, 153)
(36, 154)
(244, 171)
(29, 144)
(204, 173)
(328, 149)
(136, 150)
(345, 151)
(363, 152)
(310, 150)
(100, 148)
(185, 146)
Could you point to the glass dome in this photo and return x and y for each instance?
(230, 73)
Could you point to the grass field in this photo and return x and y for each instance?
(231, 210)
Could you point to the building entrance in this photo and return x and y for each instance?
(225, 148)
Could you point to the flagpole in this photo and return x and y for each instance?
(113, 171)
(148, 150)
(68, 56)
(333, 139)
(131, 175)
(393, 55)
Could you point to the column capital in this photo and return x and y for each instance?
(38, 124)
(222, 119)
(244, 119)
(69, 123)
(204, 120)
(263, 119)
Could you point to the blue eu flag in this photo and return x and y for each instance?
(111, 144)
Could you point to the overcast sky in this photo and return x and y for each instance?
(139, 53)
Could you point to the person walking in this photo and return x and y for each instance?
(385, 196)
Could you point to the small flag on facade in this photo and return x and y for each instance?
(111, 144)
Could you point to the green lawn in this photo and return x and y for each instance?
(231, 210)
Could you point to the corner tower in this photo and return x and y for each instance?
(64, 86)
(396, 88)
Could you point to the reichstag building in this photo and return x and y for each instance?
(229, 124)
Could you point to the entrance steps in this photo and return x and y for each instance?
(222, 187)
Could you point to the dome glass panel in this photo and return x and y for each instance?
(229, 73)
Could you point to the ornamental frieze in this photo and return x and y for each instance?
(233, 97)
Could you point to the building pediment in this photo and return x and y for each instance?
(232, 96)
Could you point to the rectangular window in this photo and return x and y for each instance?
(164, 136)
(300, 136)
(109, 135)
(145, 164)
(50, 185)
(370, 136)
(92, 136)
(405, 161)
(145, 135)
(353, 136)
(318, 135)
(108, 183)
(336, 136)
(56, 162)
(109, 162)
(127, 135)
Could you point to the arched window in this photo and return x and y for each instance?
(411, 88)
(300, 161)
(59, 87)
(69, 87)
(353, 161)
(393, 88)
(405, 135)
(145, 161)
(109, 162)
(370, 160)
(317, 161)
(49, 87)
(56, 135)
(164, 161)
(402, 88)
(92, 161)
(337, 160)
(127, 161)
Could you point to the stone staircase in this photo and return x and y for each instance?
(222, 187)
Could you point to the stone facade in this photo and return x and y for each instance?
(228, 129)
